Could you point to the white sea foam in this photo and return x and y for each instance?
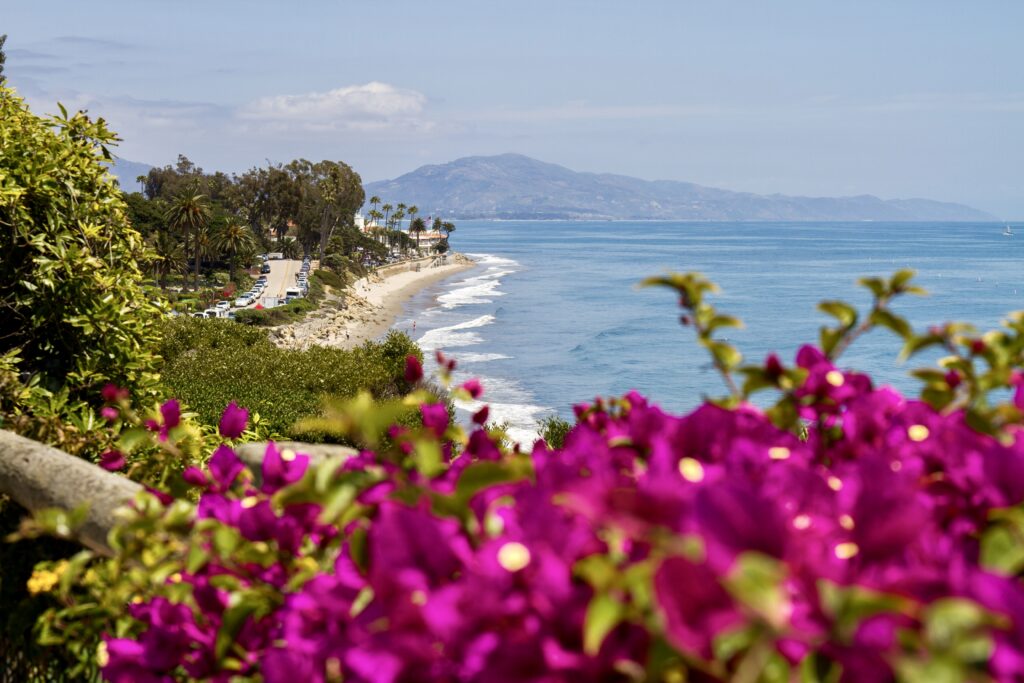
(454, 335)
(479, 293)
(520, 419)
(492, 260)
(479, 357)
(482, 287)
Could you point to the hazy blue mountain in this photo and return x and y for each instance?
(127, 171)
(512, 186)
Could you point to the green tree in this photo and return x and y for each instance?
(169, 257)
(74, 313)
(3, 58)
(233, 237)
(189, 213)
(387, 211)
(374, 201)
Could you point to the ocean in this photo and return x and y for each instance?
(552, 315)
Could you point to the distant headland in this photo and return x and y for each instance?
(513, 186)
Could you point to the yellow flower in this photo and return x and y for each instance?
(42, 581)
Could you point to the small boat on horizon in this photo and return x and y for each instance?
(1007, 231)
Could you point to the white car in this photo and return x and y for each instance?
(242, 301)
(222, 305)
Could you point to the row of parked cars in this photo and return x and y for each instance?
(302, 277)
(253, 294)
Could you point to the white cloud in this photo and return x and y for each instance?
(368, 106)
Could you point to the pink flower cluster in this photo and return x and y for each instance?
(885, 497)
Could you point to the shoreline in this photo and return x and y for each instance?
(372, 305)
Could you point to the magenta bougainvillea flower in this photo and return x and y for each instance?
(648, 540)
(112, 461)
(233, 421)
(473, 388)
(413, 369)
(112, 393)
(170, 414)
(435, 417)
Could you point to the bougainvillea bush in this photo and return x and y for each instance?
(846, 533)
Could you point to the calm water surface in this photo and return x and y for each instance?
(552, 314)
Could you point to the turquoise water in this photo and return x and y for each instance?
(552, 314)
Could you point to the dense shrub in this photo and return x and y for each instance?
(75, 315)
(211, 362)
(329, 278)
(848, 533)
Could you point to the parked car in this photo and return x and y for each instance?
(222, 305)
(210, 312)
(265, 268)
(243, 301)
(199, 315)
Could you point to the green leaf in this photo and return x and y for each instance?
(875, 284)
(830, 338)
(427, 456)
(892, 321)
(484, 474)
(756, 581)
(1002, 549)
(337, 502)
(132, 438)
(841, 311)
(948, 620)
(234, 618)
(603, 614)
(718, 321)
(726, 354)
(900, 278)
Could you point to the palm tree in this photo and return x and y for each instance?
(398, 216)
(232, 238)
(387, 211)
(291, 249)
(189, 213)
(412, 211)
(374, 201)
(170, 258)
(418, 226)
(203, 246)
(448, 228)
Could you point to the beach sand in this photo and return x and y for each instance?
(372, 305)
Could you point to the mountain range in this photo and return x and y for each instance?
(513, 186)
(126, 173)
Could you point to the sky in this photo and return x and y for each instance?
(805, 97)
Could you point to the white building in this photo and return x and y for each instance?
(427, 240)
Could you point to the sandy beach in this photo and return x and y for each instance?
(371, 305)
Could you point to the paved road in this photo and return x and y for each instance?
(281, 277)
